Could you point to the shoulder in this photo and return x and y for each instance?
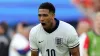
(18, 37)
(66, 26)
(83, 35)
(90, 34)
(35, 29)
(34, 32)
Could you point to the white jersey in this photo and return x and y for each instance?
(82, 41)
(56, 43)
(18, 45)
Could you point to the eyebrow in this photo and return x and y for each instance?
(42, 14)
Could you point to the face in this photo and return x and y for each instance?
(19, 27)
(1, 30)
(83, 27)
(97, 21)
(46, 18)
(96, 4)
(26, 32)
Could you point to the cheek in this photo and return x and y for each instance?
(47, 20)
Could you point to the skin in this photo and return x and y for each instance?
(96, 22)
(46, 18)
(1, 30)
(96, 28)
(83, 27)
(96, 5)
(48, 22)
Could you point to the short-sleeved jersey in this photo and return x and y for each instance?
(56, 43)
(19, 46)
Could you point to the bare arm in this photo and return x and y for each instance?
(34, 53)
(75, 51)
(85, 52)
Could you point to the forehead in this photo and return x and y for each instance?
(43, 11)
(97, 17)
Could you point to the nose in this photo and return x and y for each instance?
(41, 18)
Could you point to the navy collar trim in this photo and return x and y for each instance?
(57, 24)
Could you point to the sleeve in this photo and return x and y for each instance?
(23, 47)
(32, 40)
(72, 40)
(19, 45)
(86, 43)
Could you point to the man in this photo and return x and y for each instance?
(4, 39)
(52, 37)
(19, 45)
(84, 25)
(92, 41)
(96, 5)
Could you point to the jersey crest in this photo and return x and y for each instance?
(58, 41)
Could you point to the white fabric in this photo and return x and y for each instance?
(18, 42)
(82, 40)
(56, 43)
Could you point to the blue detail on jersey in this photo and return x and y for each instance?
(23, 51)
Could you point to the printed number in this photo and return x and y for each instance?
(52, 52)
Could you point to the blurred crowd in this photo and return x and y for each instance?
(14, 41)
(88, 28)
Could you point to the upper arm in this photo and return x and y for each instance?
(34, 53)
(75, 51)
(73, 41)
(33, 43)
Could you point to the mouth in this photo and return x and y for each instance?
(43, 24)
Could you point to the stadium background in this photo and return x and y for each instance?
(14, 11)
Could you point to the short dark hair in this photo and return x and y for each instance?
(4, 25)
(24, 24)
(47, 5)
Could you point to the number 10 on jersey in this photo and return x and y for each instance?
(51, 51)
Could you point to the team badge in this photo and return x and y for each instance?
(58, 41)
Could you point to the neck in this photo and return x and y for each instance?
(53, 27)
(54, 24)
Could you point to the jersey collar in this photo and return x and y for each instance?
(57, 24)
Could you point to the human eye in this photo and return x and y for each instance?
(39, 15)
(45, 15)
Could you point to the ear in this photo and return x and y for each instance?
(53, 15)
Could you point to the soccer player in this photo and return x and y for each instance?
(52, 37)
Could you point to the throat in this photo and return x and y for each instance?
(49, 29)
(53, 27)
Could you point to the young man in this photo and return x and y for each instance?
(52, 37)
(19, 45)
(92, 41)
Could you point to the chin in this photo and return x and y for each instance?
(44, 26)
